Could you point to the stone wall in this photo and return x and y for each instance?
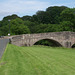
(65, 39)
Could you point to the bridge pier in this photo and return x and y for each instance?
(67, 44)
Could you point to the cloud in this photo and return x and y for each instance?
(21, 7)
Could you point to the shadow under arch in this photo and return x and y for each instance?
(73, 46)
(48, 42)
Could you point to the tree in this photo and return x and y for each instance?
(42, 17)
(66, 26)
(4, 30)
(10, 17)
(31, 25)
(51, 15)
(69, 15)
(54, 19)
(42, 28)
(54, 13)
(25, 18)
(18, 27)
(35, 18)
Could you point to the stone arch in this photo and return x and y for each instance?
(52, 40)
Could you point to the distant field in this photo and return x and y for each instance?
(37, 60)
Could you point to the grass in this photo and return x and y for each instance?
(37, 60)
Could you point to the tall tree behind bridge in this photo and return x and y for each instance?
(51, 15)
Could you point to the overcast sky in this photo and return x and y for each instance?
(30, 7)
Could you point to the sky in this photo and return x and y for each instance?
(30, 7)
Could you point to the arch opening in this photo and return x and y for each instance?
(73, 46)
(48, 42)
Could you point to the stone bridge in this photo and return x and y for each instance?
(64, 39)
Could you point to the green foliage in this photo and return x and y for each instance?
(14, 16)
(43, 17)
(66, 26)
(48, 42)
(4, 30)
(25, 18)
(31, 25)
(54, 19)
(54, 13)
(51, 15)
(18, 27)
(69, 15)
(47, 28)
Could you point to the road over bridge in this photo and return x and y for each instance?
(64, 39)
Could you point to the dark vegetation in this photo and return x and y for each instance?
(48, 42)
(73, 46)
(53, 19)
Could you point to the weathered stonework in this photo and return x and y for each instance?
(65, 39)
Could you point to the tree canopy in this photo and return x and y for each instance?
(53, 19)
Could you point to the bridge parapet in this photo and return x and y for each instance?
(66, 39)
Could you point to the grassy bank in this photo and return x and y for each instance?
(37, 60)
